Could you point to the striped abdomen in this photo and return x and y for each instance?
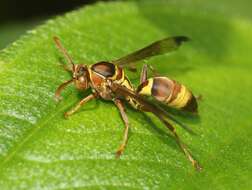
(169, 92)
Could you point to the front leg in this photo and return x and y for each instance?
(82, 102)
(121, 108)
(60, 88)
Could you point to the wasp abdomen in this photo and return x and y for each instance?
(169, 92)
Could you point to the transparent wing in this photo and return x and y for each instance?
(157, 48)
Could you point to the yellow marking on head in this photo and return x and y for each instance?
(146, 90)
(182, 98)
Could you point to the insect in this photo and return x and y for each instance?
(108, 81)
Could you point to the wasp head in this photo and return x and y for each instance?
(80, 72)
(81, 76)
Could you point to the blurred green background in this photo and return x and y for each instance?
(17, 17)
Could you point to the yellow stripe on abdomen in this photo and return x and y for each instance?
(146, 88)
(182, 98)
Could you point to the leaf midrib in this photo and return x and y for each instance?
(42, 122)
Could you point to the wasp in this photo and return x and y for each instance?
(108, 81)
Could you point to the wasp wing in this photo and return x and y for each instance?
(157, 48)
(146, 105)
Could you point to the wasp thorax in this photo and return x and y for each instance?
(80, 76)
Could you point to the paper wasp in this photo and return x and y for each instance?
(108, 81)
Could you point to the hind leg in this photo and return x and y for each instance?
(121, 108)
(144, 74)
(81, 103)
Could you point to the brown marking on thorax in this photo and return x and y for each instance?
(96, 79)
(99, 73)
(105, 69)
(119, 74)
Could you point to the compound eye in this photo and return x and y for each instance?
(81, 71)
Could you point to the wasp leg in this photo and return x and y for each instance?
(144, 75)
(194, 162)
(60, 88)
(121, 108)
(82, 102)
(144, 104)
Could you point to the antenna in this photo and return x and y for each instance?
(64, 51)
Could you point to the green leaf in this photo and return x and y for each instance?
(39, 149)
